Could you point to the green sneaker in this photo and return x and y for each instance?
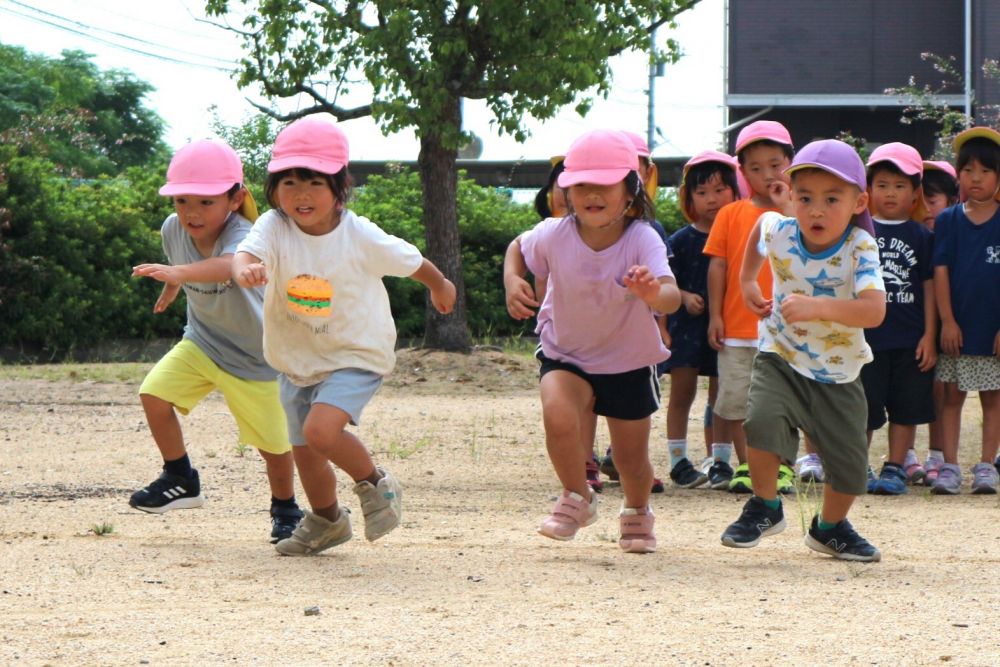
(786, 480)
(740, 483)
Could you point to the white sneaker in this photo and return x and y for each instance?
(382, 505)
(315, 534)
(706, 464)
(811, 469)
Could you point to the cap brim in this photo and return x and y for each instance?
(593, 176)
(305, 162)
(902, 166)
(203, 189)
(975, 133)
(823, 167)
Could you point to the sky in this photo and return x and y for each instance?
(185, 58)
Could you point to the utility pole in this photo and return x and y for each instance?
(654, 69)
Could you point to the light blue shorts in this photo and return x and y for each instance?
(349, 389)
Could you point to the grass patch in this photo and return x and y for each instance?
(131, 373)
(102, 528)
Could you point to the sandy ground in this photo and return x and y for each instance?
(465, 580)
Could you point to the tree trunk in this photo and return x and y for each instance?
(439, 180)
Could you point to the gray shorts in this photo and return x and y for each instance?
(833, 417)
(970, 372)
(349, 389)
(734, 364)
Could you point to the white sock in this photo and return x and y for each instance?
(722, 451)
(678, 450)
(935, 454)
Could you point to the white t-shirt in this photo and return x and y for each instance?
(325, 307)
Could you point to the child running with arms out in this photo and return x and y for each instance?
(708, 182)
(607, 274)
(222, 346)
(328, 329)
(900, 379)
(966, 276)
(827, 289)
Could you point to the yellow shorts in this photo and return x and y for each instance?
(185, 375)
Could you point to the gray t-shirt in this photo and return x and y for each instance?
(223, 319)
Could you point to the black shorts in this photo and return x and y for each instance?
(689, 348)
(894, 383)
(629, 395)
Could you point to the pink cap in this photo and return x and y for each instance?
(205, 167)
(904, 156)
(762, 130)
(312, 142)
(941, 165)
(641, 147)
(601, 157)
(701, 158)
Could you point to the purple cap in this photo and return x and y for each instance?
(837, 158)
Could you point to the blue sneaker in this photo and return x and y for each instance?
(891, 481)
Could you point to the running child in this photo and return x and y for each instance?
(328, 329)
(827, 289)
(966, 276)
(608, 274)
(708, 182)
(900, 379)
(222, 346)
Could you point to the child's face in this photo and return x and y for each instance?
(204, 217)
(763, 165)
(597, 206)
(309, 202)
(978, 182)
(709, 197)
(934, 202)
(824, 205)
(892, 195)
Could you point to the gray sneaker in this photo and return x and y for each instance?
(382, 505)
(949, 480)
(984, 478)
(315, 534)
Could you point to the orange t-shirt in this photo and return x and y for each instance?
(728, 240)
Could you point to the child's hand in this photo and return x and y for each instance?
(801, 308)
(693, 303)
(252, 275)
(926, 353)
(520, 298)
(781, 196)
(165, 273)
(951, 338)
(167, 296)
(641, 282)
(755, 301)
(443, 298)
(716, 333)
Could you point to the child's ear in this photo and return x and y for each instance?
(237, 200)
(862, 202)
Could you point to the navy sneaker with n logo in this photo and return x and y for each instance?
(756, 521)
(169, 492)
(841, 541)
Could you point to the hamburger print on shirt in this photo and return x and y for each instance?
(325, 307)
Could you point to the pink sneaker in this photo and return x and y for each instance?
(570, 514)
(637, 530)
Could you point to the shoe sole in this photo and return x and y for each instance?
(313, 552)
(819, 547)
(984, 491)
(942, 491)
(720, 486)
(638, 545)
(179, 504)
(879, 491)
(693, 484)
(773, 530)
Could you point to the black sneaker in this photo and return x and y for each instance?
(608, 466)
(686, 476)
(169, 492)
(719, 475)
(841, 541)
(283, 521)
(757, 521)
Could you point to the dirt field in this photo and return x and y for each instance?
(465, 580)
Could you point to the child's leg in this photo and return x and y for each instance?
(836, 505)
(567, 401)
(164, 426)
(631, 438)
(280, 474)
(683, 386)
(990, 401)
(325, 435)
(902, 437)
(934, 431)
(710, 433)
(763, 472)
(318, 481)
(951, 421)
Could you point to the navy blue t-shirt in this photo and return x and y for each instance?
(905, 250)
(972, 254)
(690, 267)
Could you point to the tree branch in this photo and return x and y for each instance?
(339, 113)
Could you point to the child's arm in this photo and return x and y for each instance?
(520, 297)
(211, 270)
(717, 267)
(442, 290)
(752, 263)
(660, 294)
(865, 312)
(248, 270)
(927, 346)
(951, 333)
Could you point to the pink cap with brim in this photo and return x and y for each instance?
(313, 142)
(641, 147)
(205, 167)
(905, 157)
(941, 165)
(707, 156)
(762, 130)
(837, 158)
(600, 157)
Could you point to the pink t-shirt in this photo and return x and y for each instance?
(588, 317)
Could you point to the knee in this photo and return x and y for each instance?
(320, 436)
(156, 408)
